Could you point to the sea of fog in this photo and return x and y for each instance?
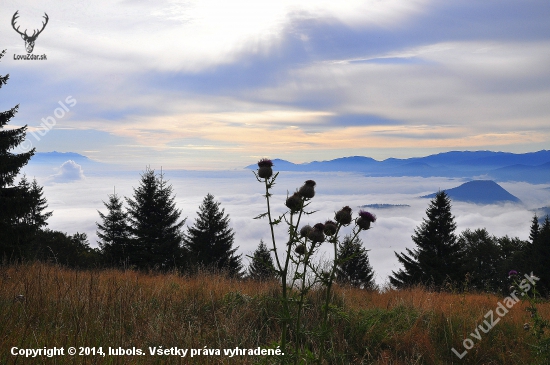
(76, 197)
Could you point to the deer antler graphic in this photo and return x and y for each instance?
(29, 40)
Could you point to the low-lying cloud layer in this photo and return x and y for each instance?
(75, 206)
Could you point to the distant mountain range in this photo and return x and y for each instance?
(479, 192)
(533, 167)
(49, 163)
(58, 158)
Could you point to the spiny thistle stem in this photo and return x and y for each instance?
(291, 316)
(282, 271)
(271, 225)
(302, 293)
(334, 240)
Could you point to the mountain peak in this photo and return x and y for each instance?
(479, 192)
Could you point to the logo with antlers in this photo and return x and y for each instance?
(29, 39)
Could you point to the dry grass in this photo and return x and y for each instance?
(62, 308)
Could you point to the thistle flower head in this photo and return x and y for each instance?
(294, 202)
(317, 235)
(343, 216)
(308, 189)
(367, 215)
(330, 228)
(512, 273)
(300, 249)
(264, 168)
(526, 326)
(305, 231)
(265, 162)
(365, 219)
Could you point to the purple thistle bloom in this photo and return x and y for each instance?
(367, 215)
(265, 162)
(512, 273)
(365, 219)
(264, 168)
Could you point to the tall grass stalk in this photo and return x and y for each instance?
(65, 307)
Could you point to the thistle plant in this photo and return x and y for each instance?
(297, 267)
(538, 326)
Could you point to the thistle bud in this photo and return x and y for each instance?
(264, 168)
(300, 249)
(305, 231)
(343, 216)
(317, 235)
(330, 228)
(307, 190)
(294, 202)
(365, 219)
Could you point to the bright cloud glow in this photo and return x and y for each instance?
(161, 81)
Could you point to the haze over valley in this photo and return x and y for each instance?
(75, 190)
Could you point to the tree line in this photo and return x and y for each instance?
(149, 233)
(472, 260)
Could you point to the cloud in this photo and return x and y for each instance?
(241, 196)
(160, 80)
(69, 171)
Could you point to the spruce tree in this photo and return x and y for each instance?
(482, 260)
(210, 240)
(535, 228)
(513, 253)
(12, 202)
(540, 263)
(438, 256)
(27, 206)
(529, 256)
(354, 267)
(113, 232)
(155, 226)
(35, 216)
(262, 266)
(11, 163)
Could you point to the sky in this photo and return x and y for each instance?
(211, 84)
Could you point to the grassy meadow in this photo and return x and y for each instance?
(50, 306)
